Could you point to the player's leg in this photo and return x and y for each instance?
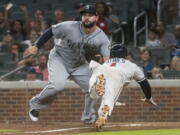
(106, 108)
(81, 76)
(97, 83)
(114, 85)
(57, 77)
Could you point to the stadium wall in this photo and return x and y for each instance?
(68, 106)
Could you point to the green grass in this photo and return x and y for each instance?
(8, 131)
(138, 132)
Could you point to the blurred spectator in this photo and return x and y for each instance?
(59, 16)
(78, 8)
(130, 56)
(38, 22)
(167, 39)
(7, 41)
(103, 13)
(44, 25)
(15, 51)
(177, 35)
(32, 38)
(4, 24)
(145, 63)
(24, 10)
(42, 66)
(152, 19)
(175, 62)
(31, 75)
(156, 73)
(18, 31)
(38, 15)
(153, 40)
(113, 19)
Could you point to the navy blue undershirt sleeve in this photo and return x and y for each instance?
(43, 38)
(146, 88)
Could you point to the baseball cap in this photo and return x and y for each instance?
(89, 9)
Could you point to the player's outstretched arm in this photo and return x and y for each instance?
(146, 88)
(147, 92)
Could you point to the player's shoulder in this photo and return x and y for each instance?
(135, 66)
(101, 33)
(131, 63)
(72, 22)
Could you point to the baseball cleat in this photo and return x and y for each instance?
(100, 85)
(100, 123)
(103, 118)
(33, 114)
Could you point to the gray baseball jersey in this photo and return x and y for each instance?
(73, 40)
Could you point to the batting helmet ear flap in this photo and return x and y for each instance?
(118, 51)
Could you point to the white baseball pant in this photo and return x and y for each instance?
(114, 81)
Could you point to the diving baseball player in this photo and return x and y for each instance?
(107, 81)
(67, 60)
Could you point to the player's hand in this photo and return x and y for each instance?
(150, 101)
(31, 51)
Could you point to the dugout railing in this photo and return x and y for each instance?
(137, 31)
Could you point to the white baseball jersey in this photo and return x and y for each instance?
(129, 69)
(117, 73)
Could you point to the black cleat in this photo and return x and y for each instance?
(33, 114)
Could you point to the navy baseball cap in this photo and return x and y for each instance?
(89, 9)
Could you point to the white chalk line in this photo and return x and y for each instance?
(78, 128)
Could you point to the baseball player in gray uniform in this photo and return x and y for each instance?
(67, 60)
(108, 80)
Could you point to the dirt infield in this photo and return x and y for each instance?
(71, 128)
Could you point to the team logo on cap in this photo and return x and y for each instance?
(87, 6)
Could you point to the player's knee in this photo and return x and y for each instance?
(94, 95)
(58, 86)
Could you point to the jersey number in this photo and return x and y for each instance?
(113, 64)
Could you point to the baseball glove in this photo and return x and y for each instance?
(91, 52)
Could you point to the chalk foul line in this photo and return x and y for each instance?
(78, 128)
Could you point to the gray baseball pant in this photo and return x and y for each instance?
(58, 74)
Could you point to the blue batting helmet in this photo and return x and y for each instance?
(118, 51)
